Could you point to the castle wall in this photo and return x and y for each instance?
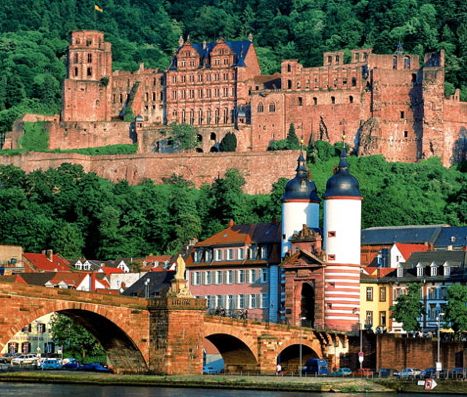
(259, 169)
(88, 134)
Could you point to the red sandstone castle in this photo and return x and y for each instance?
(386, 104)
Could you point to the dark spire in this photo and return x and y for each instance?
(300, 187)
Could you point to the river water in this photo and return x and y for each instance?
(62, 390)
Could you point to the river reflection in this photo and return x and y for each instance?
(48, 390)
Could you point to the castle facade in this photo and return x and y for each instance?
(385, 104)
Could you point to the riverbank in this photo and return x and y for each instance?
(278, 383)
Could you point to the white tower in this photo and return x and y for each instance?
(341, 240)
(300, 205)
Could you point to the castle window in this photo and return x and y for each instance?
(76, 72)
(76, 58)
(77, 41)
(332, 234)
(192, 78)
(208, 118)
(406, 134)
(174, 94)
(402, 115)
(226, 91)
(226, 116)
(354, 81)
(183, 64)
(200, 77)
(192, 116)
(289, 67)
(337, 59)
(289, 84)
(217, 77)
(272, 107)
(315, 101)
(208, 77)
(260, 108)
(89, 72)
(146, 96)
(183, 116)
(414, 78)
(226, 61)
(200, 117)
(121, 98)
(216, 92)
(333, 100)
(208, 93)
(300, 101)
(153, 96)
(200, 93)
(394, 62)
(192, 94)
(183, 79)
(113, 98)
(365, 56)
(89, 42)
(89, 58)
(350, 99)
(212, 137)
(174, 79)
(217, 115)
(331, 257)
(329, 59)
(344, 81)
(406, 62)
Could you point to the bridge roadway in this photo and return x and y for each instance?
(166, 335)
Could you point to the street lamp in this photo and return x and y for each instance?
(438, 362)
(360, 331)
(146, 288)
(300, 346)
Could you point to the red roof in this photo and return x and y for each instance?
(408, 249)
(378, 272)
(110, 270)
(157, 258)
(41, 263)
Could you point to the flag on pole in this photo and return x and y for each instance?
(97, 8)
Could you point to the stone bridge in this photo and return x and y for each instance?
(166, 335)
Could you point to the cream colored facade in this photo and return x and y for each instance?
(33, 338)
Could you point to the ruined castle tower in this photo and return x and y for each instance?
(87, 90)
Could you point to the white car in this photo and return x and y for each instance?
(25, 359)
(409, 373)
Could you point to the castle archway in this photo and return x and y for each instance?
(308, 305)
(237, 356)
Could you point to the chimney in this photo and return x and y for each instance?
(50, 254)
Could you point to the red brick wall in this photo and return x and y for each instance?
(259, 169)
(400, 351)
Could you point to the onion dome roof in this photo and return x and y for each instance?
(342, 184)
(300, 187)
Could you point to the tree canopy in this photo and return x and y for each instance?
(409, 308)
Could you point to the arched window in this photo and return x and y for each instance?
(333, 100)
(260, 107)
(350, 99)
(354, 81)
(192, 116)
(272, 107)
(226, 116)
(394, 62)
(406, 62)
(315, 101)
(217, 115)
(289, 67)
(200, 116)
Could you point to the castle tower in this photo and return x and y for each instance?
(300, 205)
(87, 90)
(341, 235)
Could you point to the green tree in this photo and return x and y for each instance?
(228, 143)
(456, 308)
(292, 139)
(67, 239)
(409, 308)
(185, 136)
(75, 339)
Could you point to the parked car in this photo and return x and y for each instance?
(362, 372)
(386, 372)
(315, 366)
(428, 373)
(342, 372)
(210, 370)
(10, 356)
(409, 373)
(94, 367)
(25, 359)
(70, 363)
(51, 364)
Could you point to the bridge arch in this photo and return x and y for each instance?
(289, 355)
(113, 326)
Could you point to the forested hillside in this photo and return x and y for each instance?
(34, 35)
(77, 213)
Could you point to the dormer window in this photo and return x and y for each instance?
(400, 271)
(434, 270)
(447, 269)
(419, 270)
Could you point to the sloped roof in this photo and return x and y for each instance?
(40, 262)
(455, 258)
(158, 285)
(454, 235)
(408, 249)
(70, 278)
(110, 270)
(260, 233)
(413, 234)
(377, 272)
(37, 278)
(239, 48)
